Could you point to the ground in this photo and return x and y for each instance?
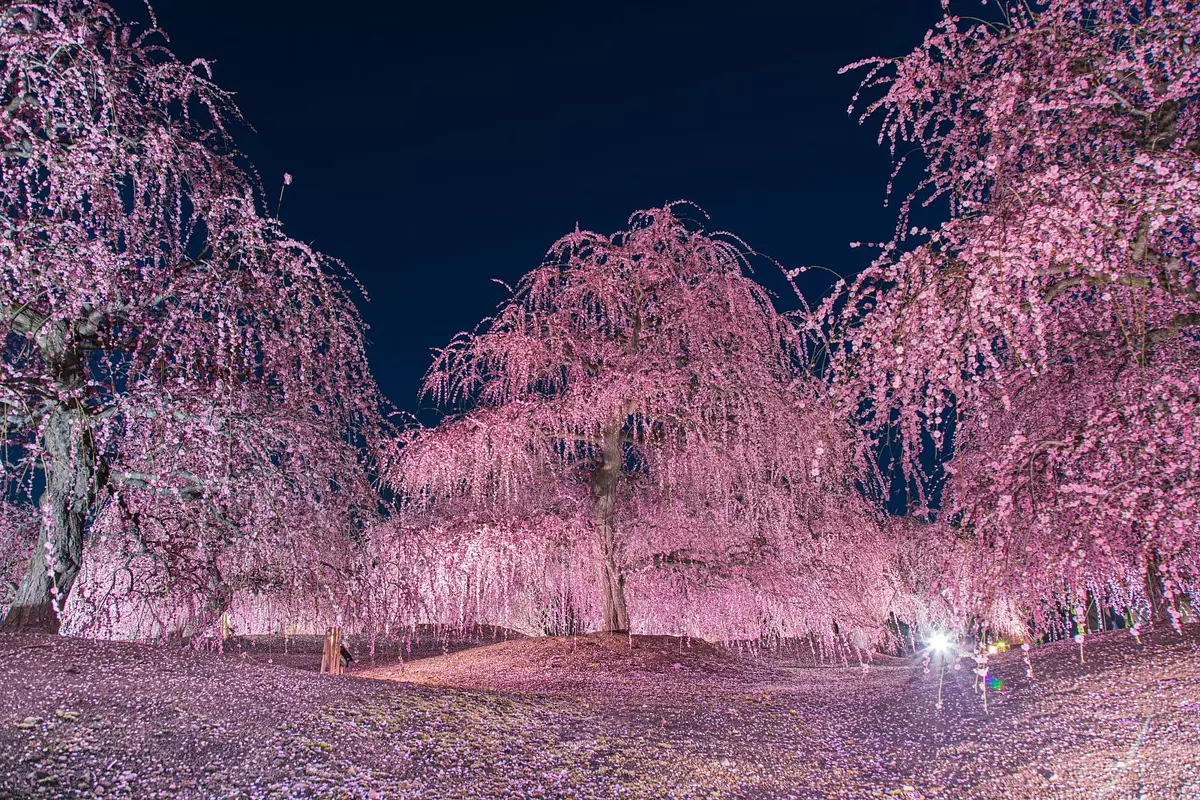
(594, 716)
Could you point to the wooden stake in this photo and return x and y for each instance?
(337, 651)
(331, 655)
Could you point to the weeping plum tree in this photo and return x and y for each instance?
(639, 411)
(1046, 339)
(175, 371)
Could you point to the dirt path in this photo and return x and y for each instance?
(561, 718)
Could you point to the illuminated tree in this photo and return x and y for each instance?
(637, 422)
(177, 374)
(1044, 341)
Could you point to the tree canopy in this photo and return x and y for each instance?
(179, 378)
(1037, 353)
(638, 438)
(639, 418)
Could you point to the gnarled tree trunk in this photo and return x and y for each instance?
(605, 479)
(64, 504)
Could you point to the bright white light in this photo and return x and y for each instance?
(939, 641)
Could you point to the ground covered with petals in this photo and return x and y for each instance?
(594, 716)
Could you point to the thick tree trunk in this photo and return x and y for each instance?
(605, 479)
(64, 503)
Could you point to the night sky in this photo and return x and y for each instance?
(436, 146)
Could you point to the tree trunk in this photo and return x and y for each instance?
(1154, 591)
(64, 505)
(605, 479)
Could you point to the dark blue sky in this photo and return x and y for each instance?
(438, 145)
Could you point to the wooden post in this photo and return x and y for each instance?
(331, 656)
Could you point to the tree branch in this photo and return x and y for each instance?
(1181, 321)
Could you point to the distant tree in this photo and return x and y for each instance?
(1045, 341)
(637, 422)
(176, 372)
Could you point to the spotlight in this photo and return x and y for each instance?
(939, 641)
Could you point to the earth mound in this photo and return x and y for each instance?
(571, 663)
